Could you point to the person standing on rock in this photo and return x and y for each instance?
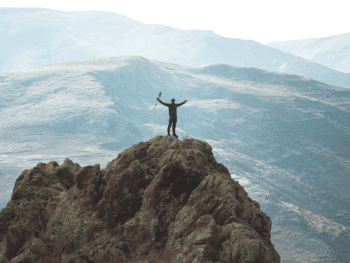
(172, 114)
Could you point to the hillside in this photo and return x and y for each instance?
(284, 138)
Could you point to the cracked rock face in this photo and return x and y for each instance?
(158, 201)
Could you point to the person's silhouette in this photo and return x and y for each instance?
(172, 113)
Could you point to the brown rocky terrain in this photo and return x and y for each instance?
(158, 201)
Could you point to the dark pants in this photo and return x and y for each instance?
(172, 120)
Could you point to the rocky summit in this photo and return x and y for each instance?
(163, 200)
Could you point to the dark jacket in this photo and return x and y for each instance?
(172, 108)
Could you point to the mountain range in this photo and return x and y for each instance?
(37, 36)
(283, 137)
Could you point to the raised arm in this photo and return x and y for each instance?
(165, 104)
(182, 103)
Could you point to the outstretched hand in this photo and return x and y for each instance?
(185, 100)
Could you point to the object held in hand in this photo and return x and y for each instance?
(157, 99)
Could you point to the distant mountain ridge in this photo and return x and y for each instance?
(332, 51)
(43, 36)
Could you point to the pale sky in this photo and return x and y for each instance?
(260, 20)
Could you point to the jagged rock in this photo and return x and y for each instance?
(158, 201)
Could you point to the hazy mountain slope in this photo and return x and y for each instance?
(106, 27)
(285, 138)
(332, 51)
(49, 36)
(45, 36)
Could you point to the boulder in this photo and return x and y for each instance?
(163, 200)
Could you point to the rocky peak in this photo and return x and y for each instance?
(158, 201)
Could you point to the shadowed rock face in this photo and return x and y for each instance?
(158, 201)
